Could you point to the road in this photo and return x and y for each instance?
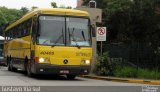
(50, 83)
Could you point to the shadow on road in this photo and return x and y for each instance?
(37, 77)
(54, 77)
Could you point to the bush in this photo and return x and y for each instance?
(131, 72)
(103, 65)
(125, 72)
(148, 74)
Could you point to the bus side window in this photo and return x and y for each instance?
(11, 34)
(15, 32)
(19, 31)
(29, 22)
(8, 34)
(34, 29)
(22, 29)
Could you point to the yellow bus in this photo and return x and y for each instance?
(50, 41)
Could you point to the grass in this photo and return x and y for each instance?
(129, 72)
(148, 74)
(125, 72)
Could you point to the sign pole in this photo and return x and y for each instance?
(101, 48)
(101, 36)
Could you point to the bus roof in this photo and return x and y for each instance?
(51, 11)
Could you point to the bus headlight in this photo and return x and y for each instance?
(44, 60)
(41, 60)
(85, 62)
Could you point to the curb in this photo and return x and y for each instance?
(122, 80)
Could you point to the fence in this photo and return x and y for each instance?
(136, 60)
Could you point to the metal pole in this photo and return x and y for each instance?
(101, 48)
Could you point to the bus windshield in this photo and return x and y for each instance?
(78, 31)
(59, 31)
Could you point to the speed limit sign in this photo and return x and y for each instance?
(101, 33)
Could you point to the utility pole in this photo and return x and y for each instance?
(95, 17)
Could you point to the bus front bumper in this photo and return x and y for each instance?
(61, 70)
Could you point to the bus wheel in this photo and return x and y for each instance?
(10, 67)
(8, 64)
(29, 72)
(71, 77)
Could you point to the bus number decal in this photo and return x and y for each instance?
(83, 54)
(46, 53)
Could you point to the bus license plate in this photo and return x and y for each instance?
(64, 71)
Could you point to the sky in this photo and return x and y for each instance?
(17, 4)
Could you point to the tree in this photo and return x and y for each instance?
(8, 16)
(129, 20)
(2, 18)
(114, 14)
(68, 7)
(24, 10)
(135, 23)
(54, 4)
(34, 7)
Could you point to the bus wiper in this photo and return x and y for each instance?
(61, 36)
(73, 39)
(83, 35)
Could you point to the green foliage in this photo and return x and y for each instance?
(54, 4)
(10, 15)
(149, 74)
(34, 7)
(114, 6)
(131, 72)
(135, 23)
(68, 7)
(125, 72)
(103, 65)
(130, 20)
(24, 10)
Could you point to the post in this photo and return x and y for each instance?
(95, 17)
(101, 48)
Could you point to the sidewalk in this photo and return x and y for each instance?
(126, 80)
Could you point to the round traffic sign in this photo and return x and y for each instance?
(101, 31)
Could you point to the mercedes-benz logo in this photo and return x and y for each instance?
(65, 61)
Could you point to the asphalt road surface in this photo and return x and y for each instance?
(19, 82)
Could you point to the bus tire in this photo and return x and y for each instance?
(13, 69)
(71, 77)
(29, 72)
(8, 63)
